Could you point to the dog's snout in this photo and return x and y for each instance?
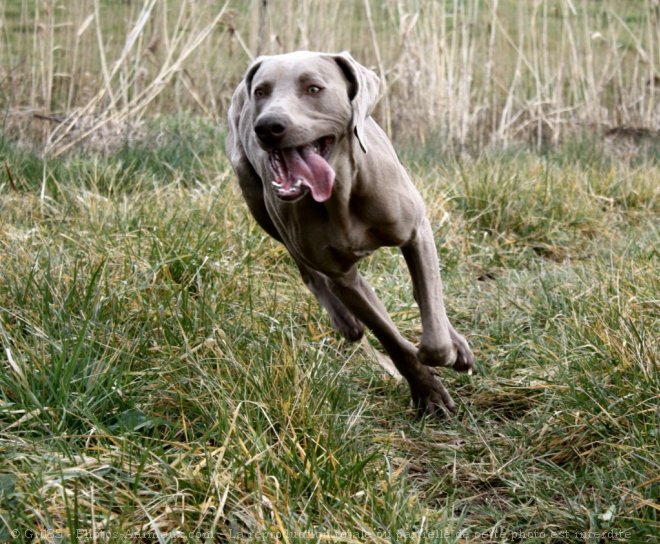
(270, 130)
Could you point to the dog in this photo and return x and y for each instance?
(320, 176)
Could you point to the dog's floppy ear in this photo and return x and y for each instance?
(251, 71)
(239, 102)
(233, 146)
(364, 85)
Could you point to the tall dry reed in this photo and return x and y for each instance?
(462, 72)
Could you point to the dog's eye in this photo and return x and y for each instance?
(314, 89)
(259, 93)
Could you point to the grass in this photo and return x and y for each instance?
(165, 377)
(468, 73)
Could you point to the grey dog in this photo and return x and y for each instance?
(321, 177)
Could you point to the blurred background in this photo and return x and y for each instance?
(455, 73)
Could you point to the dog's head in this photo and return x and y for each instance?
(300, 105)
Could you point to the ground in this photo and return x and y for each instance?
(165, 375)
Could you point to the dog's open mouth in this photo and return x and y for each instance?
(301, 169)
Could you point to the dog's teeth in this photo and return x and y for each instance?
(298, 183)
(275, 184)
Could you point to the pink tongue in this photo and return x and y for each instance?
(312, 169)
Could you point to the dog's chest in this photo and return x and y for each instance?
(323, 239)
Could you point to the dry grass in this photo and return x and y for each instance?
(164, 378)
(465, 72)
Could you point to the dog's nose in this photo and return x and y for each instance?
(270, 130)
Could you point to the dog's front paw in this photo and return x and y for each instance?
(429, 395)
(464, 356)
(440, 355)
(348, 326)
(455, 354)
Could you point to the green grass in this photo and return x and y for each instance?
(161, 370)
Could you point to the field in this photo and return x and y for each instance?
(165, 377)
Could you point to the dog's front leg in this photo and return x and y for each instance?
(342, 319)
(428, 393)
(441, 345)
